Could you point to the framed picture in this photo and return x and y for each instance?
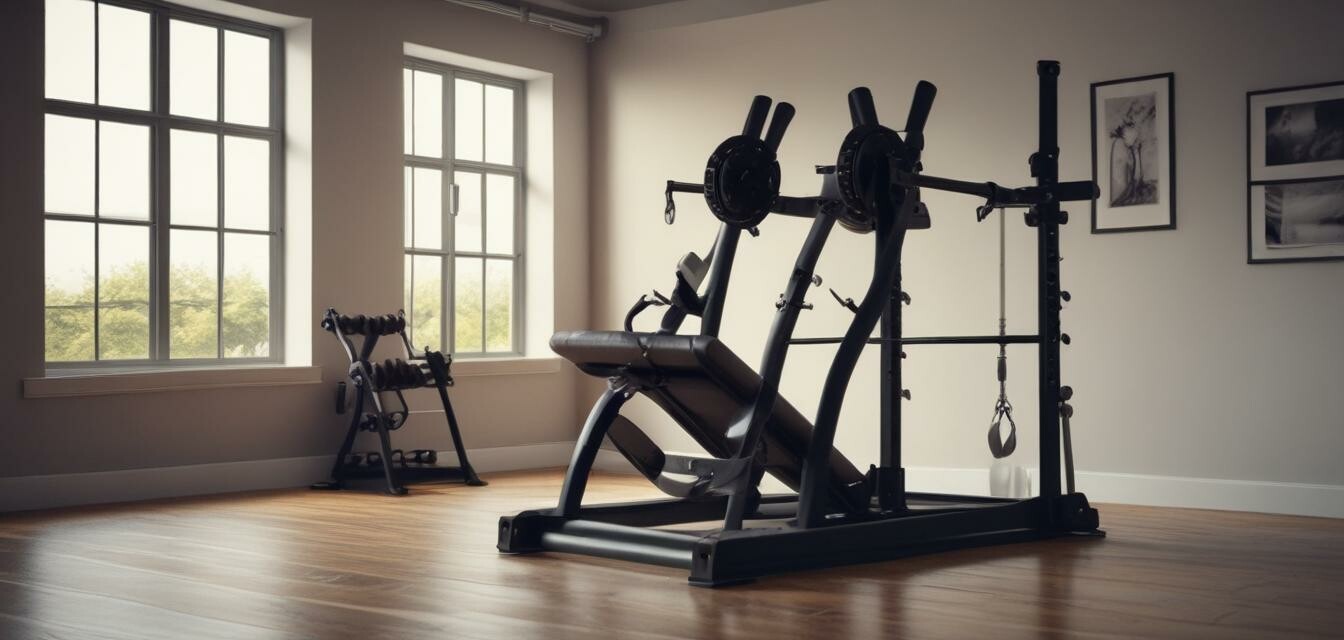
(1134, 154)
(1295, 174)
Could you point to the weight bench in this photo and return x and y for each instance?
(705, 387)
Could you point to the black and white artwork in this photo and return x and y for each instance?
(1131, 124)
(1295, 173)
(1133, 154)
(1304, 133)
(1304, 213)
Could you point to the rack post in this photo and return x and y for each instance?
(1045, 168)
(890, 475)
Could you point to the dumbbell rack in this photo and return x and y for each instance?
(374, 384)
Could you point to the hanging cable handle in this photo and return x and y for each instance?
(670, 209)
(999, 446)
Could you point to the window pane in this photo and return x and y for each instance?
(498, 124)
(193, 294)
(428, 203)
(247, 79)
(123, 170)
(499, 213)
(467, 306)
(467, 224)
(69, 50)
(69, 291)
(193, 75)
(123, 57)
(499, 305)
(427, 305)
(247, 295)
(406, 222)
(123, 292)
(467, 116)
(194, 195)
(407, 112)
(428, 123)
(247, 183)
(69, 165)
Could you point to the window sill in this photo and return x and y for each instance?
(515, 366)
(115, 383)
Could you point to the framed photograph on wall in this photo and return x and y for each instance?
(1134, 154)
(1295, 174)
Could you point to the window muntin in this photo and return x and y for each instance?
(162, 217)
(464, 181)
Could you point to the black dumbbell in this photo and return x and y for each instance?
(424, 456)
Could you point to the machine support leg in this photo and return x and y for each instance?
(585, 452)
(385, 445)
(468, 473)
(357, 416)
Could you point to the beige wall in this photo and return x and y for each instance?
(1186, 360)
(356, 123)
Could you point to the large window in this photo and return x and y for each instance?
(163, 182)
(463, 209)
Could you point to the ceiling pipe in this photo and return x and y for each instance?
(588, 29)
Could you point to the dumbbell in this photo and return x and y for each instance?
(424, 456)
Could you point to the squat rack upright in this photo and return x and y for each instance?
(1043, 213)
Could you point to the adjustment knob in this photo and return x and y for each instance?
(1065, 296)
(1064, 337)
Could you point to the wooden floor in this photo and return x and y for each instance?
(300, 564)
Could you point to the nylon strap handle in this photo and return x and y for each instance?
(999, 446)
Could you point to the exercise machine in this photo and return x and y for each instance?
(717, 524)
(376, 385)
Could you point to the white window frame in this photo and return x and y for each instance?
(161, 123)
(449, 164)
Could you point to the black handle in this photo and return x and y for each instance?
(1078, 190)
(778, 125)
(861, 109)
(920, 107)
(760, 108)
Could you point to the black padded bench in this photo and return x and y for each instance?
(705, 387)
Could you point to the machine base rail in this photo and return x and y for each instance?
(714, 557)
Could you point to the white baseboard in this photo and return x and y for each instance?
(50, 491)
(1124, 488)
(27, 493)
(1158, 491)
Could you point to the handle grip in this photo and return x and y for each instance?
(920, 107)
(760, 108)
(778, 125)
(1078, 190)
(861, 109)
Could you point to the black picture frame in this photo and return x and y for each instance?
(1170, 169)
(1307, 177)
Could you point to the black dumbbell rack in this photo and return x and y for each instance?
(377, 383)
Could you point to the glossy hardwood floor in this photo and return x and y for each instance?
(301, 564)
